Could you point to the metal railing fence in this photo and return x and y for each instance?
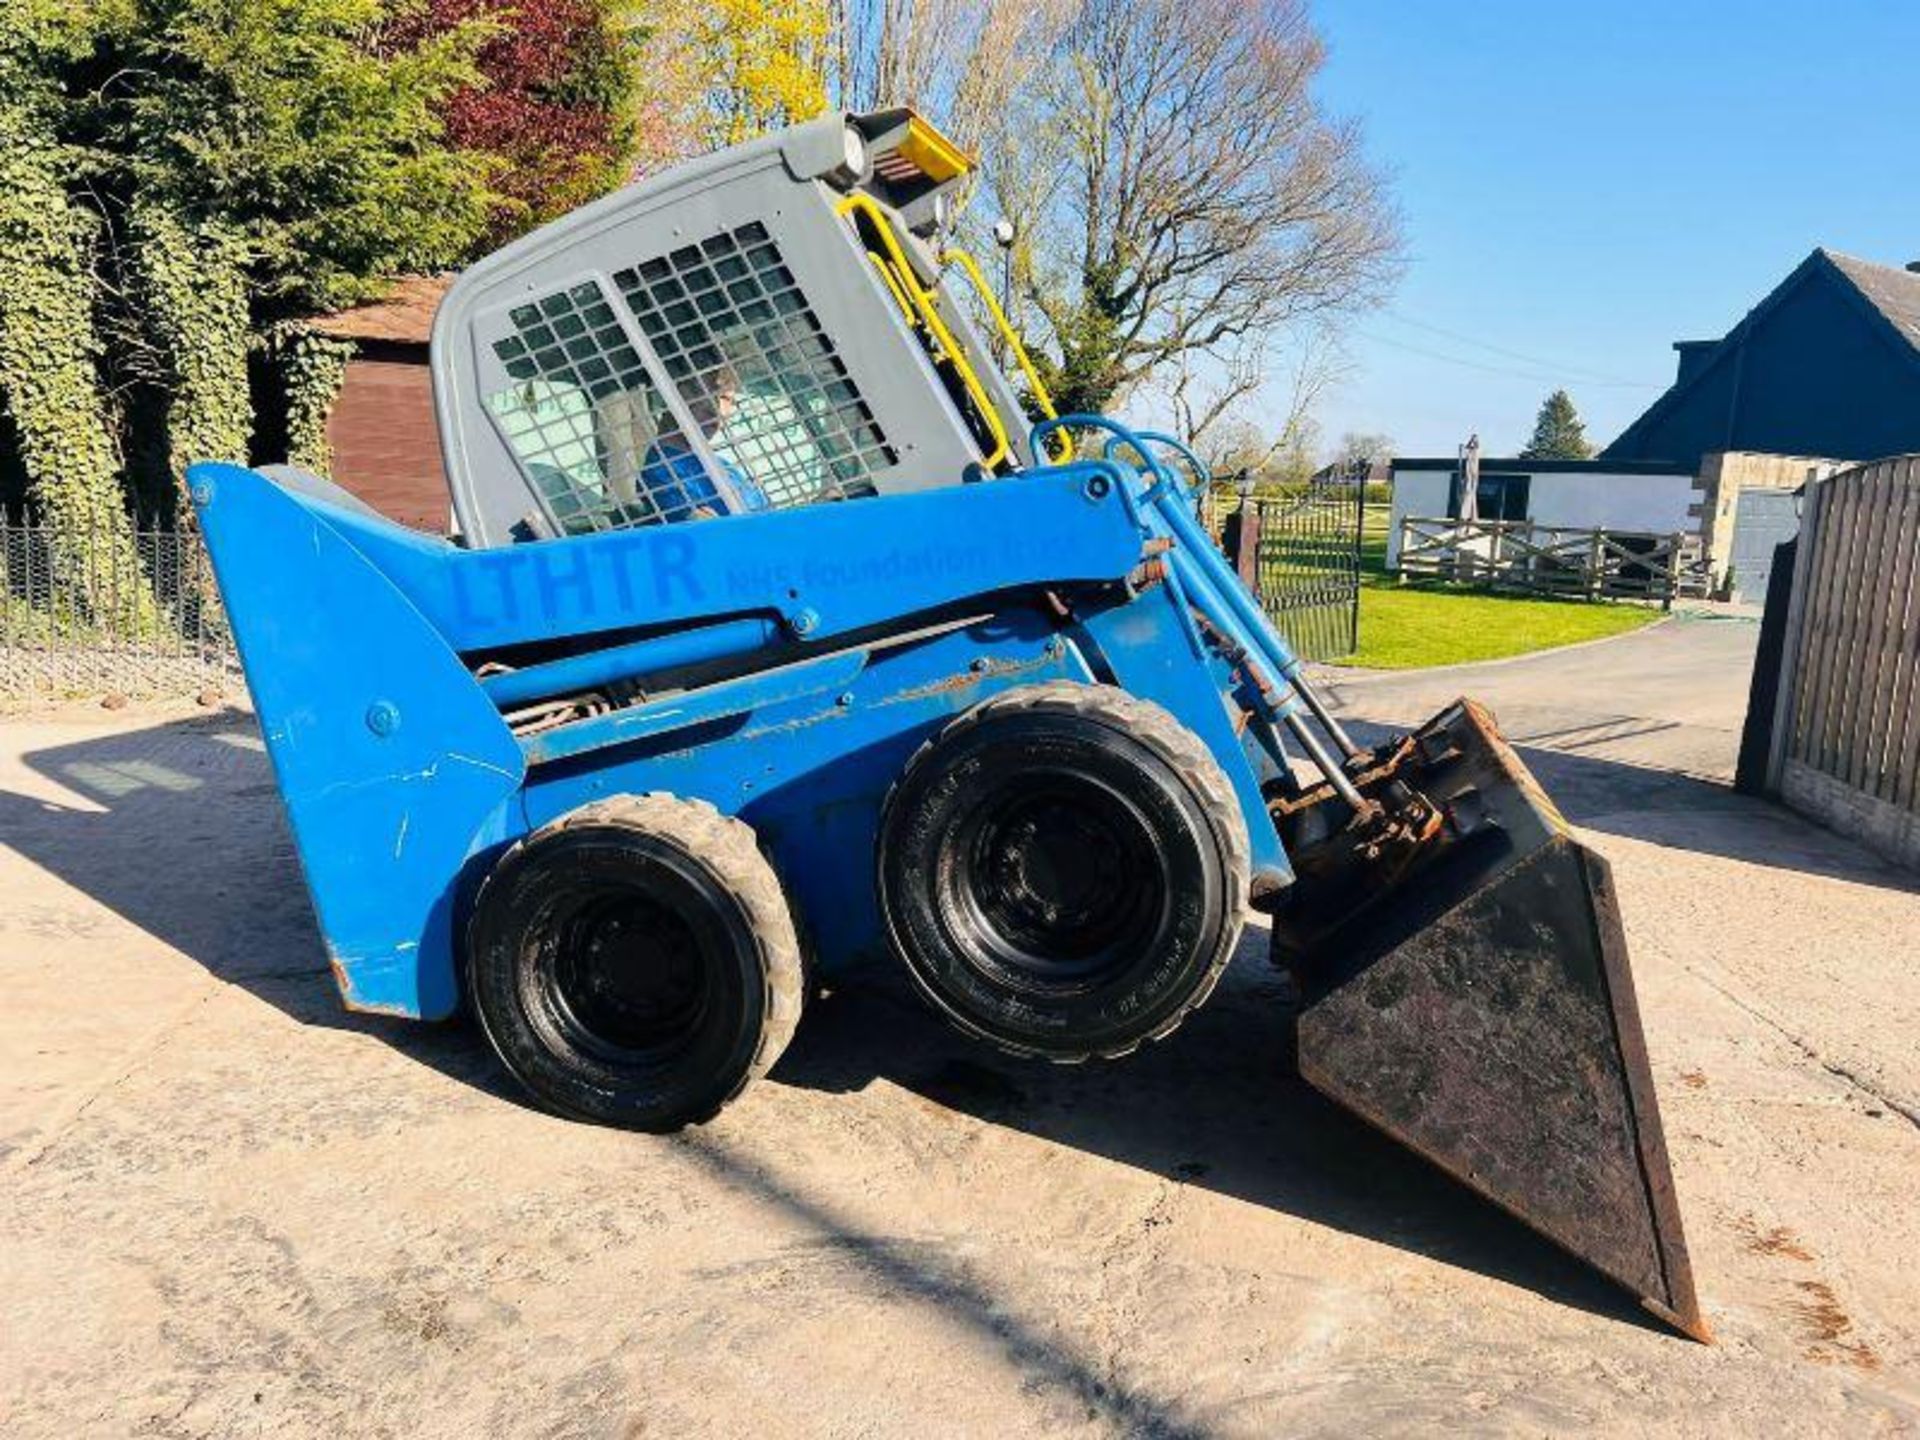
(101, 612)
(1299, 552)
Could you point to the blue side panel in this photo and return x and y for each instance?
(810, 773)
(825, 569)
(394, 767)
(1141, 647)
(401, 778)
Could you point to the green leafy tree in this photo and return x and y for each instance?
(558, 102)
(285, 123)
(50, 345)
(1558, 433)
(191, 173)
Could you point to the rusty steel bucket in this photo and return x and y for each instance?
(1464, 986)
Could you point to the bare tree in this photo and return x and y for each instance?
(1180, 192)
(962, 61)
(1362, 448)
(899, 52)
(1235, 444)
(1255, 411)
(1310, 363)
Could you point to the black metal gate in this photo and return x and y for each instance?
(1300, 552)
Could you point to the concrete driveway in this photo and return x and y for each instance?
(226, 1207)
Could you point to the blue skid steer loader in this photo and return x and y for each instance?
(774, 638)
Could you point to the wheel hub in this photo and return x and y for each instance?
(630, 978)
(1062, 880)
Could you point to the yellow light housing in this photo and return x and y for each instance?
(928, 152)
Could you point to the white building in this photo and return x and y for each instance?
(1633, 495)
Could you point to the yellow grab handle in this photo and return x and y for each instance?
(930, 316)
(971, 268)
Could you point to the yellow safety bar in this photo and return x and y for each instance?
(971, 269)
(893, 287)
(923, 301)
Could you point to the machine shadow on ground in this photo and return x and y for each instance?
(1213, 1106)
(190, 845)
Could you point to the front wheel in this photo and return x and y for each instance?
(634, 962)
(1063, 871)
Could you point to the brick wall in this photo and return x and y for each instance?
(386, 448)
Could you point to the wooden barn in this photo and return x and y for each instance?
(386, 447)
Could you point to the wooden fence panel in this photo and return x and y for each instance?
(1847, 747)
(1887, 611)
(1824, 629)
(1900, 770)
(1553, 559)
(1829, 620)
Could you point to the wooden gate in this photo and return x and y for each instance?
(1845, 742)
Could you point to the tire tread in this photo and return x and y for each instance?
(728, 848)
(1156, 728)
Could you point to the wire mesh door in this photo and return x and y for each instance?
(1308, 565)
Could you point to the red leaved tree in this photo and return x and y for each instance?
(557, 105)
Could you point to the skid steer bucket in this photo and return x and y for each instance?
(1464, 987)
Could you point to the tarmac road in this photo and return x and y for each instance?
(226, 1207)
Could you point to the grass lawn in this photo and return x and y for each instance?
(1407, 627)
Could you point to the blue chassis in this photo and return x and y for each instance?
(847, 633)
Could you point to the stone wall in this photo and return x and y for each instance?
(1725, 473)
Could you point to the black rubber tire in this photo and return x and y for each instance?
(990, 903)
(700, 995)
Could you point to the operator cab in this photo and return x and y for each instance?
(766, 327)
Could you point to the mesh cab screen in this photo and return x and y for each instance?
(583, 418)
(727, 314)
(729, 325)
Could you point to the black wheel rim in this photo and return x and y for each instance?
(1054, 884)
(632, 978)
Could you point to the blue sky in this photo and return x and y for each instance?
(1585, 183)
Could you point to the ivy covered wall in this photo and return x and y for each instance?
(193, 287)
(180, 182)
(311, 370)
(50, 350)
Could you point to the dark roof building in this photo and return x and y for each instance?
(1828, 364)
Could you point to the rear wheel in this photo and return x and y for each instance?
(1063, 870)
(634, 962)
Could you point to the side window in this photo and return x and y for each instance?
(750, 359)
(1498, 497)
(588, 427)
(728, 323)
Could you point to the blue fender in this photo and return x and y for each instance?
(395, 768)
